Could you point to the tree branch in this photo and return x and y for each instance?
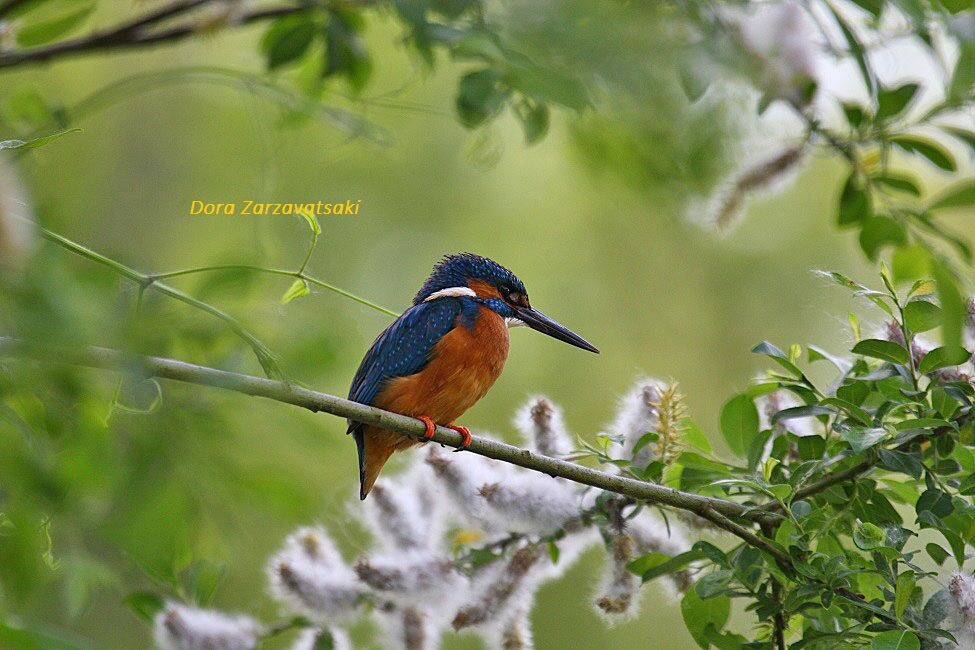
(718, 511)
(133, 35)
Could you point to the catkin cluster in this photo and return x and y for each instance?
(462, 544)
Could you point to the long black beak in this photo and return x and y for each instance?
(539, 321)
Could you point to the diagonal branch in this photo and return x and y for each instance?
(719, 511)
(134, 34)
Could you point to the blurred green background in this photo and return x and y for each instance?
(221, 477)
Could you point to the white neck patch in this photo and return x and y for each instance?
(451, 292)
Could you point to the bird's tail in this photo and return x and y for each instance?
(374, 447)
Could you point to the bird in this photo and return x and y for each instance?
(443, 354)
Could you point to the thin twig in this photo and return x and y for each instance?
(716, 510)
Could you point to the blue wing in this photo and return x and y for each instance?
(404, 348)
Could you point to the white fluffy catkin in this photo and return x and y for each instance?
(780, 37)
(326, 591)
(531, 503)
(620, 589)
(409, 628)
(542, 426)
(179, 627)
(512, 633)
(396, 516)
(414, 575)
(961, 586)
(460, 477)
(498, 588)
(637, 416)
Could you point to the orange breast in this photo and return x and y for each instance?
(465, 364)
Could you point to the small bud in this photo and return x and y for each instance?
(179, 627)
(543, 428)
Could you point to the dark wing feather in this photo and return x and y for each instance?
(404, 348)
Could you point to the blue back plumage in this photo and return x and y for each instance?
(456, 270)
(405, 347)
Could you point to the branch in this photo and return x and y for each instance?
(132, 35)
(716, 510)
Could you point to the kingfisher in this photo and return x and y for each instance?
(443, 354)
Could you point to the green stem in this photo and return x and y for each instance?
(263, 353)
(301, 275)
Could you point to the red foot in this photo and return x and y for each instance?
(431, 427)
(465, 434)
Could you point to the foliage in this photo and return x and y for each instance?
(857, 468)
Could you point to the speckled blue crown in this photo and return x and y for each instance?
(457, 270)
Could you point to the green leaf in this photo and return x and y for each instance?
(943, 357)
(534, 118)
(856, 205)
(694, 436)
(900, 182)
(868, 536)
(856, 48)
(480, 97)
(892, 102)
(287, 39)
(878, 232)
(739, 423)
(938, 554)
(312, 222)
(966, 136)
(144, 603)
(896, 640)
(922, 315)
(933, 151)
(713, 584)
(910, 263)
(654, 565)
(345, 53)
(953, 311)
(904, 590)
(885, 350)
(801, 412)
(936, 502)
(899, 461)
(297, 289)
(957, 196)
(36, 142)
(699, 614)
(861, 438)
(44, 31)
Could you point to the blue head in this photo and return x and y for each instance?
(466, 276)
